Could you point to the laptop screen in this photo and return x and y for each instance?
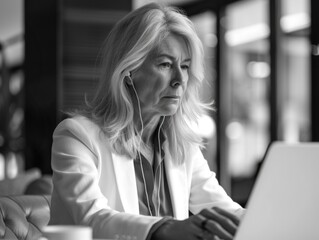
(284, 203)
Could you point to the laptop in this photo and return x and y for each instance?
(284, 202)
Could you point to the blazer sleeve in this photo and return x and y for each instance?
(205, 190)
(76, 173)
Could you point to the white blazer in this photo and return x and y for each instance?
(95, 186)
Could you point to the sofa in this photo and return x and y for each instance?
(18, 185)
(25, 205)
(23, 216)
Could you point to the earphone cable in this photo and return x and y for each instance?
(140, 158)
(139, 146)
(160, 168)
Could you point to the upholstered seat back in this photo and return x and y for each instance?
(22, 217)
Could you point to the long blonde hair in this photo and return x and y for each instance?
(125, 49)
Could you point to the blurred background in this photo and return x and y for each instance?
(261, 69)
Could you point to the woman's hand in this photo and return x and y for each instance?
(219, 222)
(209, 224)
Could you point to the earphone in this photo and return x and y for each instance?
(130, 82)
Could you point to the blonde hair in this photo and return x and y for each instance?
(125, 49)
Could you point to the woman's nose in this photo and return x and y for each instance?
(177, 78)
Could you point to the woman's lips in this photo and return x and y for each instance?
(172, 97)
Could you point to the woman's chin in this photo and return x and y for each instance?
(169, 110)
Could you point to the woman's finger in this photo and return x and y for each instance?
(228, 214)
(221, 219)
(216, 229)
(206, 235)
(199, 220)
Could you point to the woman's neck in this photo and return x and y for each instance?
(149, 127)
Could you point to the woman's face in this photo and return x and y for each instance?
(162, 79)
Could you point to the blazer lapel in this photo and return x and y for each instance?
(176, 178)
(125, 178)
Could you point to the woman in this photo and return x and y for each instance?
(129, 165)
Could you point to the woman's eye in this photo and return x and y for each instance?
(166, 65)
(185, 67)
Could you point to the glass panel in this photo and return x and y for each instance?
(247, 85)
(205, 24)
(12, 96)
(295, 114)
(247, 82)
(247, 130)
